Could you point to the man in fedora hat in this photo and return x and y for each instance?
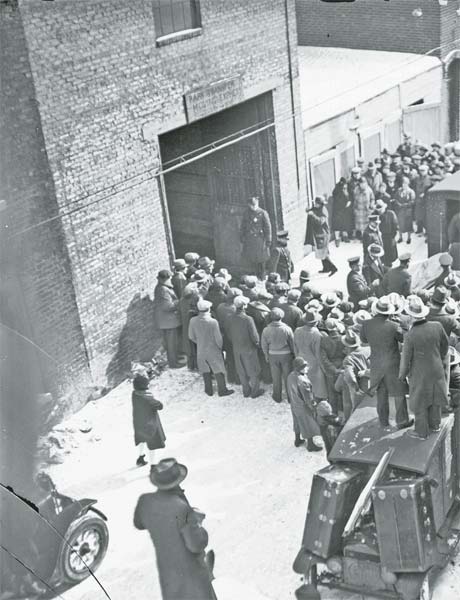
(356, 284)
(373, 268)
(356, 372)
(389, 228)
(280, 259)
(167, 319)
(307, 344)
(421, 184)
(407, 148)
(256, 237)
(439, 314)
(204, 331)
(445, 262)
(302, 405)
(191, 260)
(292, 313)
(332, 353)
(177, 534)
(224, 314)
(318, 234)
(452, 283)
(398, 279)
(383, 337)
(424, 361)
(277, 343)
(179, 280)
(245, 343)
(372, 235)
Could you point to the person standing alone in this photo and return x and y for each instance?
(256, 237)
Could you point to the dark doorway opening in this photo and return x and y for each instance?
(207, 198)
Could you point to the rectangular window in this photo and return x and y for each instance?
(172, 16)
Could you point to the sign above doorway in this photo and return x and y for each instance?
(218, 96)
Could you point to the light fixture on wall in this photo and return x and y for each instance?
(417, 12)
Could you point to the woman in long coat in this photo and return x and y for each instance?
(363, 205)
(342, 211)
(148, 430)
(389, 228)
(404, 204)
(301, 400)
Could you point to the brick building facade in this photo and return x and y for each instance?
(390, 26)
(102, 93)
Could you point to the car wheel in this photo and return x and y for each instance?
(88, 539)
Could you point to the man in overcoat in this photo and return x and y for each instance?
(245, 343)
(179, 280)
(389, 228)
(373, 268)
(224, 314)
(178, 537)
(148, 430)
(292, 313)
(277, 343)
(280, 260)
(301, 401)
(307, 345)
(356, 372)
(332, 353)
(398, 279)
(357, 287)
(166, 313)
(445, 262)
(256, 237)
(404, 206)
(439, 314)
(422, 183)
(383, 337)
(317, 234)
(204, 331)
(424, 361)
(372, 235)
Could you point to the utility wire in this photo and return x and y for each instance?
(183, 157)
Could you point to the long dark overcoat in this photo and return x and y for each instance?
(146, 421)
(182, 571)
(389, 227)
(383, 337)
(256, 236)
(372, 271)
(404, 205)
(301, 400)
(398, 279)
(423, 360)
(245, 342)
(357, 287)
(342, 209)
(307, 344)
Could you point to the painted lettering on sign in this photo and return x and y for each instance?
(214, 98)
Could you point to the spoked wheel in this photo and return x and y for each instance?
(88, 539)
(426, 591)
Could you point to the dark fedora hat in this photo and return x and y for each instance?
(304, 275)
(167, 474)
(440, 295)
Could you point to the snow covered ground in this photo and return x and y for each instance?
(244, 473)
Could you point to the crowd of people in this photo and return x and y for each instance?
(321, 351)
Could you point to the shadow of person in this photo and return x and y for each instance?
(138, 341)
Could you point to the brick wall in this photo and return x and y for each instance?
(37, 291)
(371, 24)
(99, 80)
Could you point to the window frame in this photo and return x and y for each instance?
(164, 38)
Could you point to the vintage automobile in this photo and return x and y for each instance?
(381, 518)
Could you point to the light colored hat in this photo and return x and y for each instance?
(351, 339)
(336, 314)
(451, 280)
(311, 316)
(375, 250)
(315, 305)
(451, 308)
(203, 305)
(331, 324)
(416, 309)
(356, 170)
(224, 274)
(299, 363)
(405, 257)
(276, 314)
(360, 316)
(240, 301)
(383, 306)
(398, 302)
(454, 356)
(330, 299)
(293, 295)
(180, 264)
(191, 257)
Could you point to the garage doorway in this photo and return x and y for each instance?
(207, 198)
